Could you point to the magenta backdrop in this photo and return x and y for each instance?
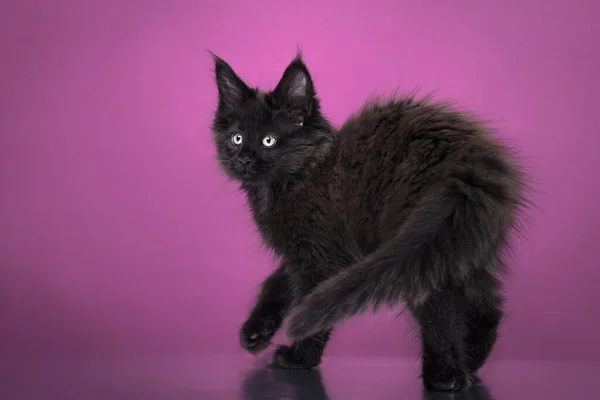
(119, 234)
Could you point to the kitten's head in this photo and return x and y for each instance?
(268, 136)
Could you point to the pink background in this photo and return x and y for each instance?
(119, 235)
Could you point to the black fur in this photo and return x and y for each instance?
(410, 201)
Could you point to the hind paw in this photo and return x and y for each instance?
(450, 380)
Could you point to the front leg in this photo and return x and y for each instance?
(315, 257)
(301, 354)
(304, 353)
(267, 315)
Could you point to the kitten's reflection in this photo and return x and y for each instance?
(276, 384)
(271, 384)
(475, 392)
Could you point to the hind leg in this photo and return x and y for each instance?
(483, 320)
(483, 316)
(443, 334)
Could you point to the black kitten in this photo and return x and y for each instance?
(409, 201)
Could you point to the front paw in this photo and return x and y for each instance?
(256, 333)
(294, 357)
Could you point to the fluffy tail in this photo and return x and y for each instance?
(450, 233)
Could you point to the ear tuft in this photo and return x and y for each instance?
(295, 89)
(232, 90)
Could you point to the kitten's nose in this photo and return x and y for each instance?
(246, 161)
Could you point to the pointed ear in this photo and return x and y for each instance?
(295, 89)
(232, 90)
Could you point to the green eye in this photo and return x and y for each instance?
(269, 141)
(237, 139)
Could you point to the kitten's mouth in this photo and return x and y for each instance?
(245, 173)
(247, 176)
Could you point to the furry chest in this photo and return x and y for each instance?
(301, 221)
(280, 234)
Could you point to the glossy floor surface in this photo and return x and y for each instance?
(221, 378)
